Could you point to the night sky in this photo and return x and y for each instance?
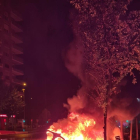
(47, 34)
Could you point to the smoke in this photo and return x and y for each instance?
(74, 58)
(77, 102)
(124, 108)
(81, 103)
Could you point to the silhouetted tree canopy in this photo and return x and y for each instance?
(111, 37)
(11, 100)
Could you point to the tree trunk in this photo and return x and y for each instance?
(137, 131)
(122, 130)
(131, 129)
(106, 102)
(105, 123)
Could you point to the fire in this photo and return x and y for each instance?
(76, 127)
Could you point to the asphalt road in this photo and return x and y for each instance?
(30, 136)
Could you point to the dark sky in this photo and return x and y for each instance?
(46, 36)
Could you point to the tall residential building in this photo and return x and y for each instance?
(10, 44)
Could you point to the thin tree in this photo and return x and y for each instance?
(12, 102)
(111, 36)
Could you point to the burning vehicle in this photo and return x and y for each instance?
(85, 120)
(76, 127)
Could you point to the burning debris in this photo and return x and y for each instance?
(76, 127)
(85, 121)
(54, 135)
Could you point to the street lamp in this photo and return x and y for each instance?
(24, 84)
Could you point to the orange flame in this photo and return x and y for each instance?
(76, 127)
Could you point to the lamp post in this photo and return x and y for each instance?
(23, 90)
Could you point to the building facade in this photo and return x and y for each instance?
(11, 44)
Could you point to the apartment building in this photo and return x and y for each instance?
(11, 41)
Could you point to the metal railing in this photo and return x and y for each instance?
(17, 71)
(17, 36)
(17, 48)
(16, 24)
(15, 15)
(17, 81)
(1, 65)
(18, 59)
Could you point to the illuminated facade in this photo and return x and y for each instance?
(10, 44)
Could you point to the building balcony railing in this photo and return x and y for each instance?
(16, 26)
(5, 20)
(0, 39)
(17, 59)
(15, 15)
(17, 49)
(1, 12)
(6, 33)
(16, 38)
(1, 65)
(0, 36)
(1, 53)
(17, 81)
(17, 71)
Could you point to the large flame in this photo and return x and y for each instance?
(76, 127)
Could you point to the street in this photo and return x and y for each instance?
(29, 136)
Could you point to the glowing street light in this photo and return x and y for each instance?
(24, 84)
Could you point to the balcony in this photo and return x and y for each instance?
(0, 39)
(17, 81)
(6, 33)
(17, 60)
(17, 50)
(0, 11)
(17, 72)
(15, 26)
(5, 20)
(1, 53)
(15, 15)
(1, 65)
(16, 38)
(1, 36)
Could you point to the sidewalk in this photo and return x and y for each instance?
(3, 132)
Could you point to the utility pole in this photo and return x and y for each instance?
(24, 101)
(24, 84)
